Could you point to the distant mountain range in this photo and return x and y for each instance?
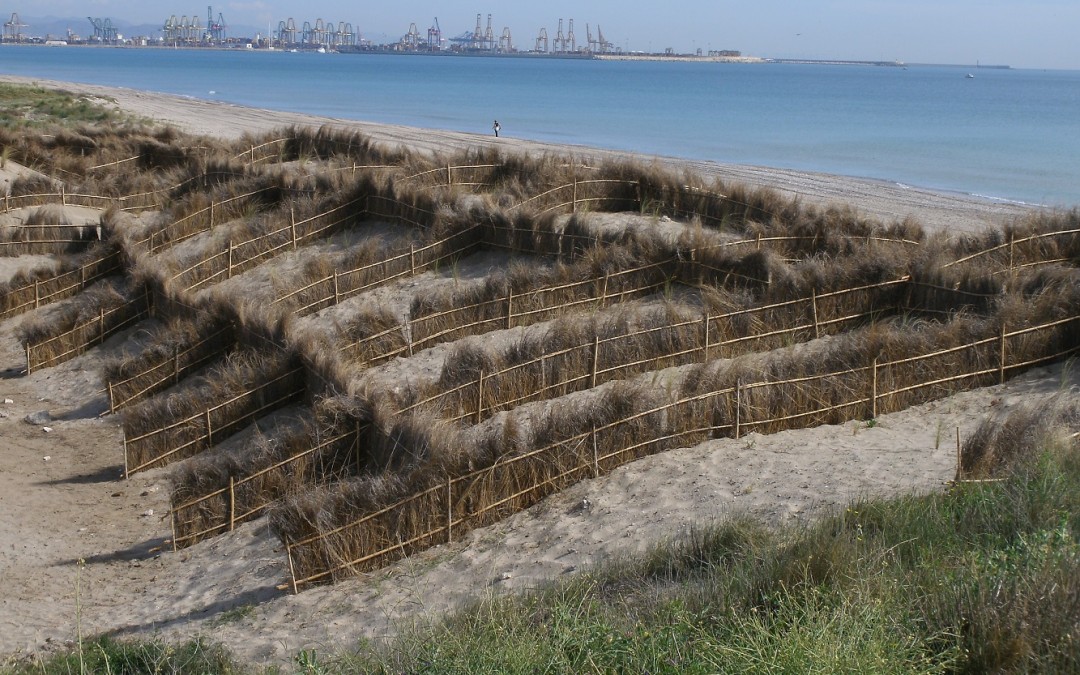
(57, 28)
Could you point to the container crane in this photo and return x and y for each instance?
(103, 30)
(215, 30)
(434, 36)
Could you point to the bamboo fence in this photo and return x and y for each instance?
(170, 370)
(135, 202)
(709, 339)
(219, 507)
(217, 514)
(1011, 247)
(158, 240)
(197, 432)
(43, 291)
(87, 334)
(240, 256)
(461, 503)
(338, 286)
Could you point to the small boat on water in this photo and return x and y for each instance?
(970, 76)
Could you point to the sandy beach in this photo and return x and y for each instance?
(76, 539)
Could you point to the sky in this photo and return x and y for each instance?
(1027, 34)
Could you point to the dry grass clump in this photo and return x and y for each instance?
(1001, 442)
(327, 143)
(309, 449)
(371, 337)
(65, 276)
(85, 321)
(208, 409)
(171, 352)
(47, 229)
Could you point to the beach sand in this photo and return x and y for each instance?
(75, 539)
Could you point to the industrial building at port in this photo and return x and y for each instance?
(325, 35)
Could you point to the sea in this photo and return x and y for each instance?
(1011, 135)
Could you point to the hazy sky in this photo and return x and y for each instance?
(1030, 33)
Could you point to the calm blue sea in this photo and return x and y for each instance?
(1005, 134)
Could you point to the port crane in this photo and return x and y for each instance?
(104, 31)
(434, 36)
(542, 41)
(13, 29)
(215, 30)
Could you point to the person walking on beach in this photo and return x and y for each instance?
(496, 127)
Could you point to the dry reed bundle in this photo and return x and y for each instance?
(170, 353)
(47, 229)
(208, 409)
(326, 143)
(64, 277)
(371, 337)
(215, 491)
(89, 319)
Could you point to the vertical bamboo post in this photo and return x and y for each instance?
(449, 181)
(813, 307)
(1012, 245)
(337, 294)
(510, 309)
(232, 503)
(28, 368)
(595, 454)
(873, 389)
(172, 528)
(101, 324)
(292, 225)
(230, 259)
(449, 509)
(292, 568)
(738, 407)
(595, 359)
(211, 214)
(152, 233)
(759, 241)
(706, 359)
(574, 202)
(176, 365)
(37, 294)
(63, 196)
(252, 154)
(958, 472)
(603, 291)
(480, 398)
(209, 430)
(412, 260)
(112, 401)
(1001, 356)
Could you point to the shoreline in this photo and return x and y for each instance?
(885, 200)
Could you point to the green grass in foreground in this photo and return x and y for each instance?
(27, 105)
(985, 578)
